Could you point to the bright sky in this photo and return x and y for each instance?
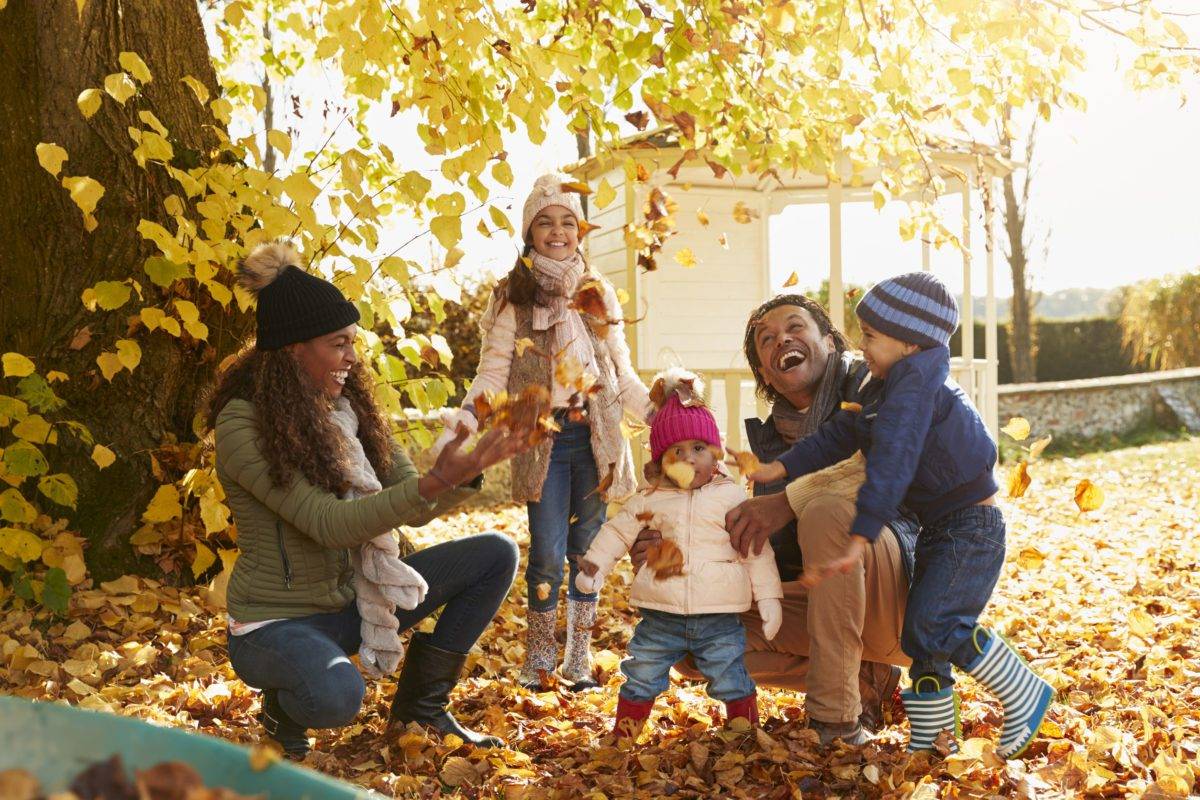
(1117, 187)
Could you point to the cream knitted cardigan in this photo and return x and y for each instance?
(382, 582)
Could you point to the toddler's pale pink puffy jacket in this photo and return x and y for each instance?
(715, 578)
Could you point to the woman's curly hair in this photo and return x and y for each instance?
(297, 432)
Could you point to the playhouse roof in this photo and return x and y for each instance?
(661, 148)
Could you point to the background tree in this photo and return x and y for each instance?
(1160, 321)
(1022, 332)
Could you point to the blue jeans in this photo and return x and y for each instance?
(564, 522)
(958, 562)
(717, 643)
(306, 659)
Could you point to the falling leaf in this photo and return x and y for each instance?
(853, 408)
(203, 559)
(1039, 446)
(638, 119)
(792, 280)
(543, 591)
(1019, 479)
(604, 195)
(1030, 558)
(665, 558)
(521, 345)
(1088, 496)
(577, 187)
(680, 472)
(743, 214)
(642, 173)
(723, 240)
(701, 217)
(745, 461)
(586, 227)
(1017, 428)
(684, 257)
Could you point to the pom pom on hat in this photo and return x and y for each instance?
(265, 263)
(682, 413)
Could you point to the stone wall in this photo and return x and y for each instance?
(1100, 405)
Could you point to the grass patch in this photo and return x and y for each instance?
(1073, 445)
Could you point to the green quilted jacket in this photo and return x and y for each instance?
(294, 541)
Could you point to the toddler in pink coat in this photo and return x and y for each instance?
(690, 603)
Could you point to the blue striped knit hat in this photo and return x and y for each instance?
(915, 307)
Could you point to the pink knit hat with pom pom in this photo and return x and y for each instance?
(677, 421)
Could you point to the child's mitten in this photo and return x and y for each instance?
(771, 611)
(452, 419)
(589, 584)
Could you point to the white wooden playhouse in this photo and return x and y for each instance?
(698, 315)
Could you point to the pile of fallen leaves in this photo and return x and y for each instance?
(1102, 603)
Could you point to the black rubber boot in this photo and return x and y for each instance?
(423, 690)
(290, 735)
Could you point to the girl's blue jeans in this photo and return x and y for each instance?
(716, 642)
(564, 522)
(958, 562)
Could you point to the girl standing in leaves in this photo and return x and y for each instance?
(691, 592)
(316, 486)
(549, 322)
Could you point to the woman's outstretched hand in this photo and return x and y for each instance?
(455, 466)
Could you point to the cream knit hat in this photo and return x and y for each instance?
(548, 191)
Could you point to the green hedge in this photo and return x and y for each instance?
(1067, 350)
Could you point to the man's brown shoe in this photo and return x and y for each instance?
(878, 686)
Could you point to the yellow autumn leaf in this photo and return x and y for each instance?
(129, 353)
(743, 214)
(723, 240)
(85, 192)
(605, 194)
(89, 101)
(103, 456)
(543, 591)
(684, 257)
(701, 217)
(1142, 625)
(198, 88)
(1039, 446)
(521, 345)
(1030, 557)
(16, 365)
(214, 514)
(203, 559)
(792, 280)
(119, 86)
(109, 363)
(681, 473)
(132, 63)
(51, 157)
(1088, 496)
(164, 505)
(32, 429)
(281, 142)
(20, 544)
(1018, 479)
(1017, 428)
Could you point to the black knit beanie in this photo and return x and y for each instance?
(293, 306)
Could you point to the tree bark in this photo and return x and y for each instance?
(49, 54)
(1022, 339)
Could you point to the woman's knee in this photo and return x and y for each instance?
(337, 699)
(499, 552)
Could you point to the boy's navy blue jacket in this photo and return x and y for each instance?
(925, 444)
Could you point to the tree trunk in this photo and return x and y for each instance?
(1022, 338)
(48, 55)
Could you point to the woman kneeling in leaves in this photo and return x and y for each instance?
(316, 486)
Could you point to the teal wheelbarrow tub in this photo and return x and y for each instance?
(56, 742)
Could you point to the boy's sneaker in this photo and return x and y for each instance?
(1023, 694)
(930, 714)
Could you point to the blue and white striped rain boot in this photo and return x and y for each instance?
(930, 713)
(1023, 694)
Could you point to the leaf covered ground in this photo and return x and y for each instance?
(1104, 604)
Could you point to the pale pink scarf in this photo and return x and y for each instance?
(557, 283)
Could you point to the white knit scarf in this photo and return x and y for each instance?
(382, 582)
(557, 283)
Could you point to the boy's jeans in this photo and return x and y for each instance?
(717, 643)
(569, 515)
(957, 564)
